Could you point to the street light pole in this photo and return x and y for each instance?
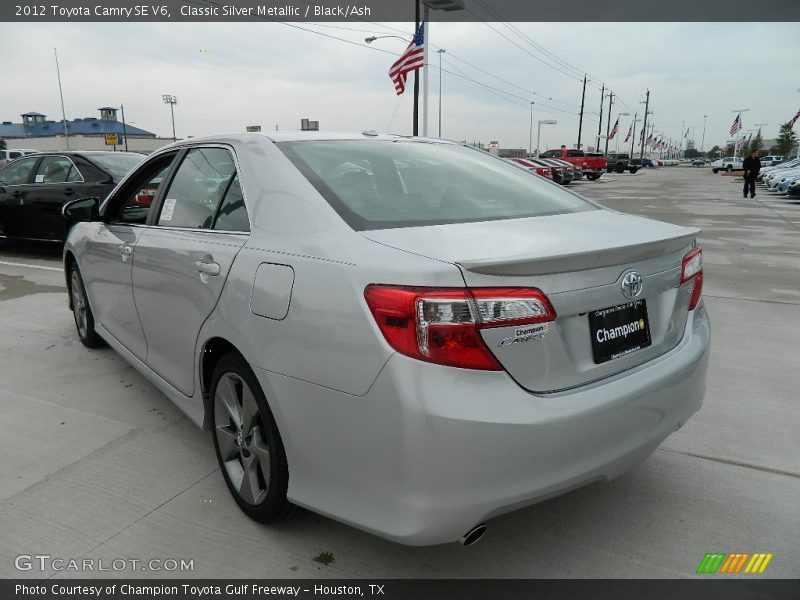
(440, 51)
(703, 143)
(644, 125)
(172, 101)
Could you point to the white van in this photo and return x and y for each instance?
(6, 156)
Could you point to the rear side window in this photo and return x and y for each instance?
(383, 184)
(56, 169)
(17, 172)
(575, 153)
(199, 184)
(232, 214)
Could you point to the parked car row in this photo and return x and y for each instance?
(559, 171)
(782, 179)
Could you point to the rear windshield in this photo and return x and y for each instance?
(385, 184)
(116, 163)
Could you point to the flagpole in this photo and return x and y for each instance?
(425, 35)
(608, 124)
(415, 131)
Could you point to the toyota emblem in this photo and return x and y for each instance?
(632, 284)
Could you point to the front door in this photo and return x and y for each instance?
(108, 257)
(15, 181)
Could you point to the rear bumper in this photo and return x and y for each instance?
(430, 451)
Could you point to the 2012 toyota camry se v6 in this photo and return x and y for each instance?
(406, 335)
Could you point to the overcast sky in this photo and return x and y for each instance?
(227, 76)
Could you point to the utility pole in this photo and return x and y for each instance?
(580, 122)
(633, 133)
(644, 125)
(600, 124)
(124, 128)
(608, 124)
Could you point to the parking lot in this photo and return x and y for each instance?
(98, 464)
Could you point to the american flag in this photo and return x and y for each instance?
(630, 130)
(793, 120)
(411, 60)
(614, 130)
(737, 124)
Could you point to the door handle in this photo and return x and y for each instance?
(207, 268)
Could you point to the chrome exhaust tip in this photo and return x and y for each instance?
(473, 535)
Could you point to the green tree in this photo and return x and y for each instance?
(787, 140)
(757, 144)
(2, 144)
(714, 152)
(691, 153)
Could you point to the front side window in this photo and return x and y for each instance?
(17, 172)
(403, 183)
(201, 181)
(132, 204)
(56, 169)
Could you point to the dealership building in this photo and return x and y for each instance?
(36, 132)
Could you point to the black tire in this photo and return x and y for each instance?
(593, 176)
(620, 168)
(250, 448)
(633, 170)
(715, 170)
(81, 311)
(729, 168)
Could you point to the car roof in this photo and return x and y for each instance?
(299, 136)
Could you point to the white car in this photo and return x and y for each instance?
(729, 163)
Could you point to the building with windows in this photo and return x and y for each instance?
(91, 133)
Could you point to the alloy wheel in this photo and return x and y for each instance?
(239, 430)
(78, 304)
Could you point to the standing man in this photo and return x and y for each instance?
(751, 167)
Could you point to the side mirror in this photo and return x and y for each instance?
(81, 210)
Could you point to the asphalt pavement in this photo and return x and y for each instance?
(97, 464)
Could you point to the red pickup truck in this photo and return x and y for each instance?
(592, 164)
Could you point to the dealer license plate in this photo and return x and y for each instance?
(619, 330)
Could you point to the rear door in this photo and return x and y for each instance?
(183, 259)
(56, 182)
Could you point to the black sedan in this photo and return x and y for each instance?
(34, 188)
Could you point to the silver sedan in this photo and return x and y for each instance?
(407, 335)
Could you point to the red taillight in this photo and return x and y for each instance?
(443, 326)
(692, 274)
(544, 172)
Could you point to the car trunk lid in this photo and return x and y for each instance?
(579, 260)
